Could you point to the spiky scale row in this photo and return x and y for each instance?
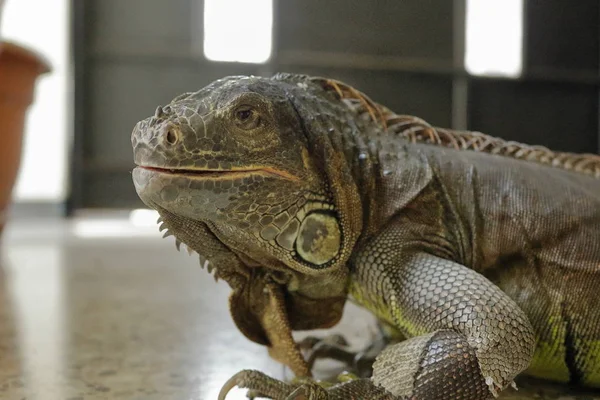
(347, 92)
(416, 130)
(204, 263)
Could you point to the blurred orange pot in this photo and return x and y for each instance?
(19, 70)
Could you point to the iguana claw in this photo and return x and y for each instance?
(231, 383)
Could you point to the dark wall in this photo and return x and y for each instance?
(410, 28)
(134, 55)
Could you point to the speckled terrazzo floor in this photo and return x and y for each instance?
(103, 308)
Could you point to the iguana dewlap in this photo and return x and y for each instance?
(301, 193)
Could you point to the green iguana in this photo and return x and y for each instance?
(301, 192)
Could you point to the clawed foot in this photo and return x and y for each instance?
(262, 385)
(348, 386)
(332, 347)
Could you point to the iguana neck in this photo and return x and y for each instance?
(361, 151)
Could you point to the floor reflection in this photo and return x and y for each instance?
(35, 286)
(10, 361)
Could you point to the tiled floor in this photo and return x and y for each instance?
(103, 308)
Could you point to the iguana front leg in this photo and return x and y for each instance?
(469, 338)
(282, 346)
(437, 366)
(444, 307)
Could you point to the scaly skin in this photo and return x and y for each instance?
(301, 193)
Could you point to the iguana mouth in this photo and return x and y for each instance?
(221, 174)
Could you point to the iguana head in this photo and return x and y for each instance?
(260, 162)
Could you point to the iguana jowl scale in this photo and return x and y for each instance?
(301, 192)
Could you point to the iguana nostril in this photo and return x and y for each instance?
(171, 136)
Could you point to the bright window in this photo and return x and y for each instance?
(238, 30)
(494, 37)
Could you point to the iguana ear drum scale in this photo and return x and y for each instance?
(319, 238)
(481, 257)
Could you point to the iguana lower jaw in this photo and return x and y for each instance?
(211, 195)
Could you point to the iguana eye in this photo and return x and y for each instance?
(246, 117)
(244, 114)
